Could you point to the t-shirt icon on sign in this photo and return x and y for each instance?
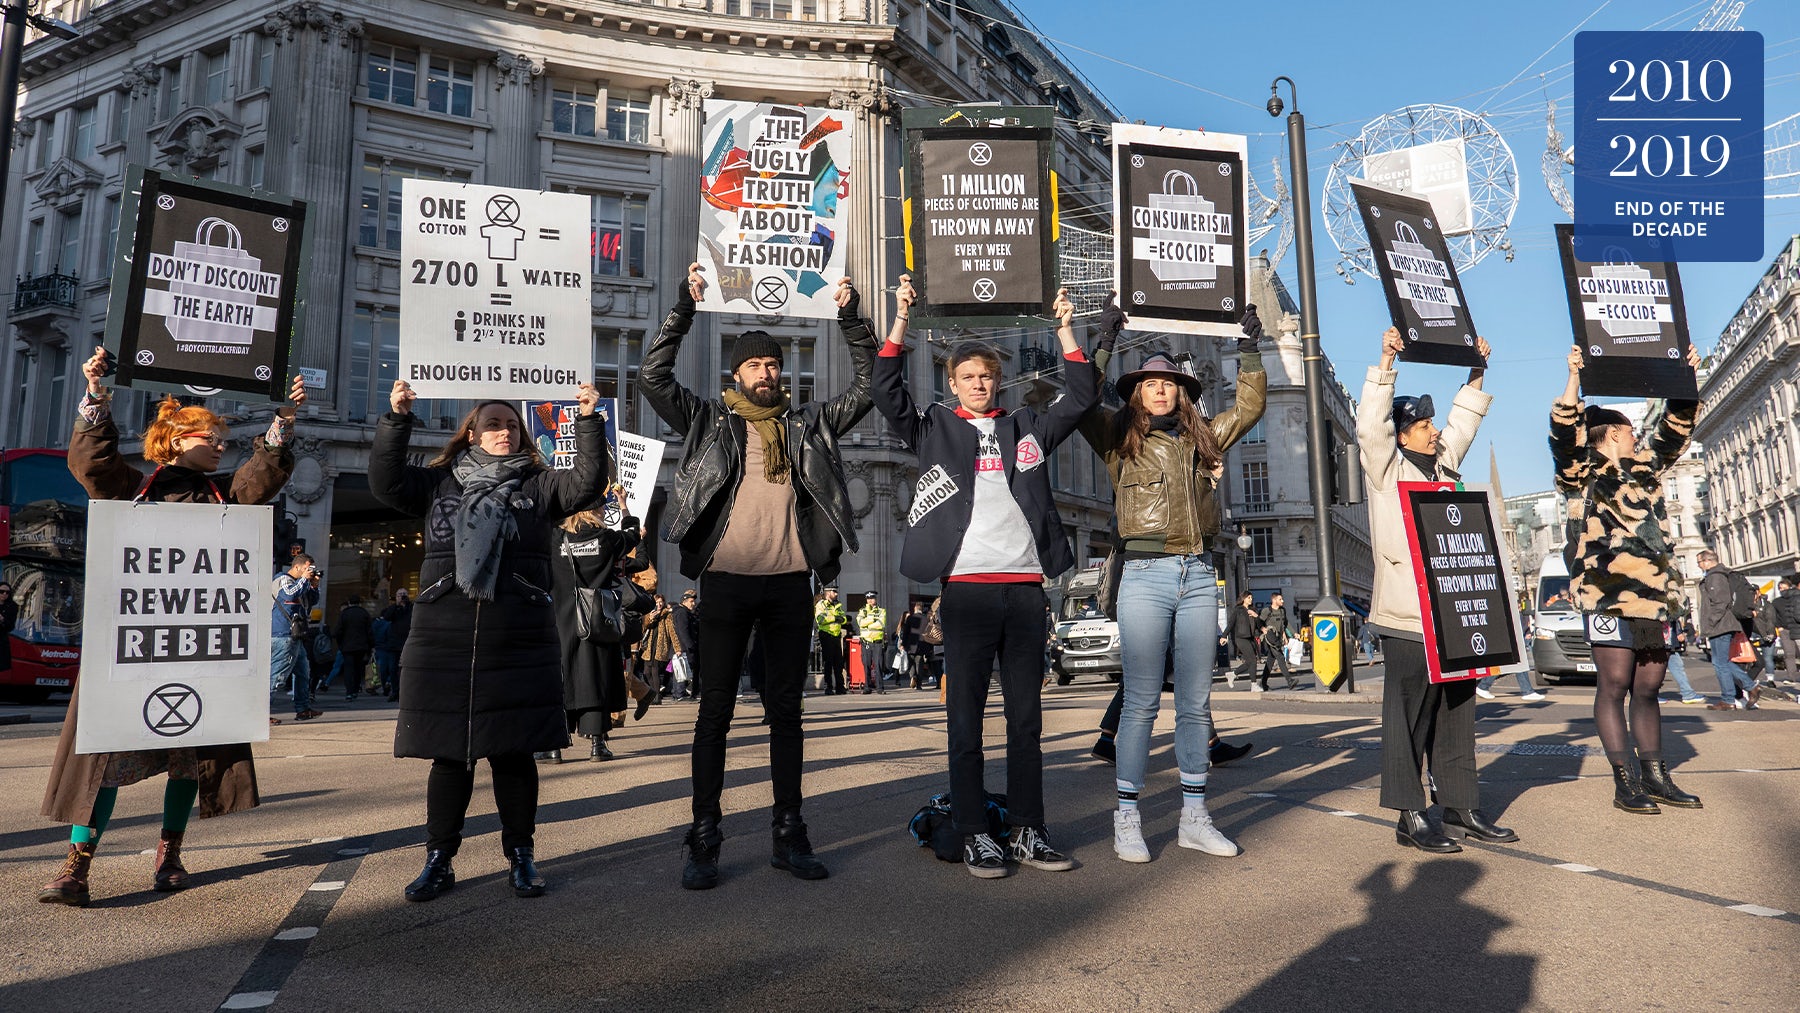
(502, 240)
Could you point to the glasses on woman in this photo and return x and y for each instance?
(213, 438)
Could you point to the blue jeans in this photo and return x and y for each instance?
(1678, 670)
(387, 669)
(1731, 674)
(1168, 606)
(1524, 682)
(289, 662)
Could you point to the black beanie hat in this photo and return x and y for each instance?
(1596, 416)
(754, 345)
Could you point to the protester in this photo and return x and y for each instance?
(1626, 580)
(984, 522)
(588, 554)
(185, 443)
(759, 505)
(1274, 621)
(290, 664)
(354, 641)
(1727, 611)
(829, 621)
(871, 629)
(480, 675)
(1161, 454)
(1786, 608)
(391, 641)
(687, 635)
(1399, 442)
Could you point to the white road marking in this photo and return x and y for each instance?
(1574, 867)
(327, 885)
(1758, 910)
(250, 1000)
(305, 932)
(1344, 812)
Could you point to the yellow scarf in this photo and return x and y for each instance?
(768, 426)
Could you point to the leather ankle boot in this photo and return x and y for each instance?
(170, 876)
(702, 843)
(1415, 831)
(71, 885)
(1628, 790)
(1659, 787)
(793, 851)
(527, 881)
(1478, 826)
(437, 877)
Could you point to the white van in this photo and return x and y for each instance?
(1559, 648)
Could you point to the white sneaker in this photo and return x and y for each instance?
(1198, 832)
(1128, 836)
(1254, 688)
(1485, 694)
(1532, 697)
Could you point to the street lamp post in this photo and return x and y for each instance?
(1317, 422)
(17, 15)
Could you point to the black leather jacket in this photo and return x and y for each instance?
(712, 459)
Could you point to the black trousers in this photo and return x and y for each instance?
(875, 663)
(452, 784)
(1419, 718)
(1274, 655)
(831, 652)
(1246, 659)
(778, 609)
(982, 621)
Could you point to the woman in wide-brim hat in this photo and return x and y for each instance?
(1164, 456)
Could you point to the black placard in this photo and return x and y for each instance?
(207, 288)
(1628, 317)
(1424, 295)
(1180, 218)
(1460, 567)
(980, 215)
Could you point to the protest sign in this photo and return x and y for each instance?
(176, 629)
(1425, 298)
(773, 200)
(636, 459)
(1179, 198)
(550, 426)
(1629, 318)
(496, 291)
(1465, 581)
(1437, 171)
(980, 214)
(208, 287)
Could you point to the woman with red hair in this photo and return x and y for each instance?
(185, 443)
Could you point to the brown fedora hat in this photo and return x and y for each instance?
(1159, 364)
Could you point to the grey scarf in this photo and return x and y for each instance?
(485, 518)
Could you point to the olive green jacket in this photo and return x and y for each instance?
(1164, 499)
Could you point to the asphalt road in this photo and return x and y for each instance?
(297, 905)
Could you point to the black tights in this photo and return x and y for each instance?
(452, 783)
(1622, 671)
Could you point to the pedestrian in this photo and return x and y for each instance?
(1365, 639)
(290, 664)
(912, 648)
(588, 554)
(1763, 636)
(1727, 611)
(186, 444)
(1243, 627)
(1161, 453)
(871, 629)
(984, 522)
(354, 641)
(391, 642)
(1399, 442)
(1626, 581)
(660, 644)
(1786, 608)
(482, 679)
(758, 507)
(830, 621)
(687, 636)
(1275, 638)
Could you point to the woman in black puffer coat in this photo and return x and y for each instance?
(480, 673)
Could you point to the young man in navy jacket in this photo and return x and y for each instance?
(983, 521)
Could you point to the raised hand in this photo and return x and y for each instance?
(696, 281)
(1252, 326)
(849, 303)
(1063, 309)
(96, 368)
(905, 295)
(296, 398)
(1112, 322)
(401, 398)
(587, 398)
(1392, 344)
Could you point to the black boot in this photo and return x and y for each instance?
(1659, 787)
(1628, 790)
(437, 877)
(702, 842)
(793, 851)
(1221, 752)
(1415, 831)
(1478, 826)
(599, 750)
(527, 881)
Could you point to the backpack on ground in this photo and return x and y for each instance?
(932, 828)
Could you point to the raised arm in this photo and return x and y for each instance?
(271, 461)
(1568, 435)
(94, 457)
(1252, 396)
(843, 412)
(1466, 412)
(1375, 440)
(1081, 385)
(672, 402)
(892, 399)
(397, 484)
(1096, 426)
(1676, 426)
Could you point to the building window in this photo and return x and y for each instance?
(1262, 545)
(265, 60)
(379, 221)
(68, 251)
(1256, 484)
(121, 116)
(574, 111)
(169, 98)
(253, 169)
(628, 116)
(85, 118)
(218, 69)
(59, 385)
(374, 361)
(21, 394)
(450, 87)
(34, 246)
(47, 141)
(112, 232)
(1255, 435)
(393, 75)
(619, 236)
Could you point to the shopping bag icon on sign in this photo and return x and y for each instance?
(1441, 305)
(227, 288)
(1177, 253)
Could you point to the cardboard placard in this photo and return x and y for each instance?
(1628, 317)
(773, 208)
(1179, 198)
(496, 291)
(1424, 296)
(980, 214)
(636, 459)
(176, 628)
(208, 287)
(1465, 581)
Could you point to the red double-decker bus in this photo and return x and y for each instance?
(43, 541)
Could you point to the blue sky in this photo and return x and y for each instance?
(1353, 64)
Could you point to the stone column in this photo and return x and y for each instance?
(512, 145)
(686, 107)
(140, 79)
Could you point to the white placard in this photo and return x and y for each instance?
(773, 195)
(496, 291)
(176, 628)
(1437, 171)
(639, 458)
